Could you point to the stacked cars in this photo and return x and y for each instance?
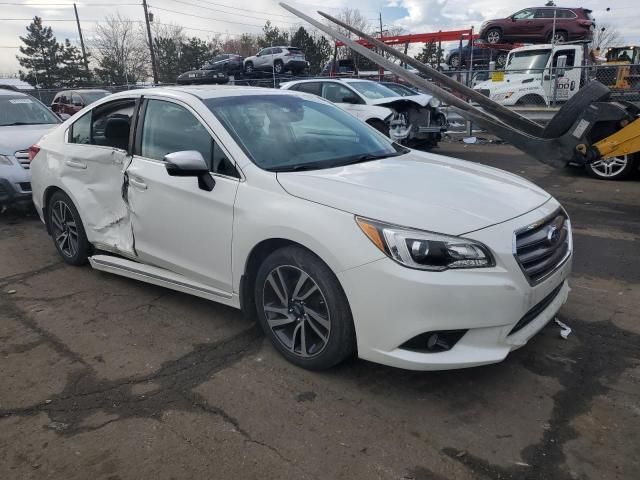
(216, 70)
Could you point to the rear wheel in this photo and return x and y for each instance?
(531, 100)
(278, 66)
(615, 168)
(67, 230)
(494, 35)
(454, 61)
(559, 36)
(303, 309)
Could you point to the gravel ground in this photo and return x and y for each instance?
(106, 378)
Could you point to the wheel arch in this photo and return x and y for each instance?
(46, 197)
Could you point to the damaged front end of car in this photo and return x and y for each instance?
(416, 123)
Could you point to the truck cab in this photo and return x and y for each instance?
(534, 75)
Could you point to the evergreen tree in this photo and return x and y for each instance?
(73, 72)
(40, 56)
(317, 51)
(272, 36)
(431, 54)
(195, 52)
(167, 52)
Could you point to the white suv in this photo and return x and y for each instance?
(413, 120)
(277, 59)
(338, 240)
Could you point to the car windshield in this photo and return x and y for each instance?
(24, 111)
(401, 90)
(528, 61)
(91, 97)
(288, 133)
(372, 90)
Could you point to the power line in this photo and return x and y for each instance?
(208, 18)
(71, 4)
(232, 8)
(232, 13)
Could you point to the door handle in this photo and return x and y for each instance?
(79, 165)
(138, 183)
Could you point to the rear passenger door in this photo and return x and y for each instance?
(92, 169)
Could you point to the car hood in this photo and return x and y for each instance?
(421, 100)
(21, 137)
(420, 190)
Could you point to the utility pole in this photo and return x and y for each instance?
(381, 53)
(84, 53)
(153, 56)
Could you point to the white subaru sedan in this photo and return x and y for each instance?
(281, 204)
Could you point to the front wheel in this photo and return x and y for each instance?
(615, 168)
(303, 309)
(248, 68)
(454, 61)
(67, 230)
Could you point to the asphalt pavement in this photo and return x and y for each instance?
(104, 377)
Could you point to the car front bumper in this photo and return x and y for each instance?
(392, 304)
(15, 183)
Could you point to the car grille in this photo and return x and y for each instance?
(542, 247)
(23, 157)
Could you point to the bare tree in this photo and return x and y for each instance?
(353, 17)
(606, 36)
(120, 50)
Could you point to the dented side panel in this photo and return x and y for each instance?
(96, 176)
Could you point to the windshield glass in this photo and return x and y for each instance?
(24, 111)
(372, 90)
(529, 61)
(90, 97)
(288, 133)
(401, 90)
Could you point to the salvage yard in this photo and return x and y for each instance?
(109, 378)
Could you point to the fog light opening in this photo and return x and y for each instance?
(434, 342)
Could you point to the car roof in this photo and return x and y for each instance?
(203, 92)
(13, 93)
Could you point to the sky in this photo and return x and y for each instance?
(206, 18)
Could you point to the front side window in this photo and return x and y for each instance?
(524, 14)
(23, 110)
(288, 133)
(334, 92)
(170, 128)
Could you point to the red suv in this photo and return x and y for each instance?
(535, 25)
(69, 102)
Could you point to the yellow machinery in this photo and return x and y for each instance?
(621, 70)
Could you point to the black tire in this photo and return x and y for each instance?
(454, 61)
(560, 36)
(531, 100)
(283, 267)
(63, 219)
(278, 67)
(248, 67)
(379, 125)
(501, 60)
(493, 35)
(566, 116)
(616, 169)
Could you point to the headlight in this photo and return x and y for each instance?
(5, 160)
(425, 250)
(434, 102)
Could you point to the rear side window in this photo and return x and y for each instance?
(564, 13)
(108, 125)
(81, 130)
(170, 128)
(309, 87)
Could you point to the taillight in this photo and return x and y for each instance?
(585, 23)
(33, 151)
(288, 54)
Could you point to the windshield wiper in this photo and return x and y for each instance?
(368, 157)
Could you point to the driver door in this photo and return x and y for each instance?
(263, 59)
(336, 93)
(177, 225)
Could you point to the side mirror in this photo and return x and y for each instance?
(189, 163)
(351, 99)
(64, 116)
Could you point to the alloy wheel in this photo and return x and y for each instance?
(296, 311)
(559, 38)
(278, 67)
(493, 36)
(64, 228)
(609, 167)
(455, 61)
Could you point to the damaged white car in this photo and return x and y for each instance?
(414, 121)
(339, 241)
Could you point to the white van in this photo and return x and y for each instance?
(530, 72)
